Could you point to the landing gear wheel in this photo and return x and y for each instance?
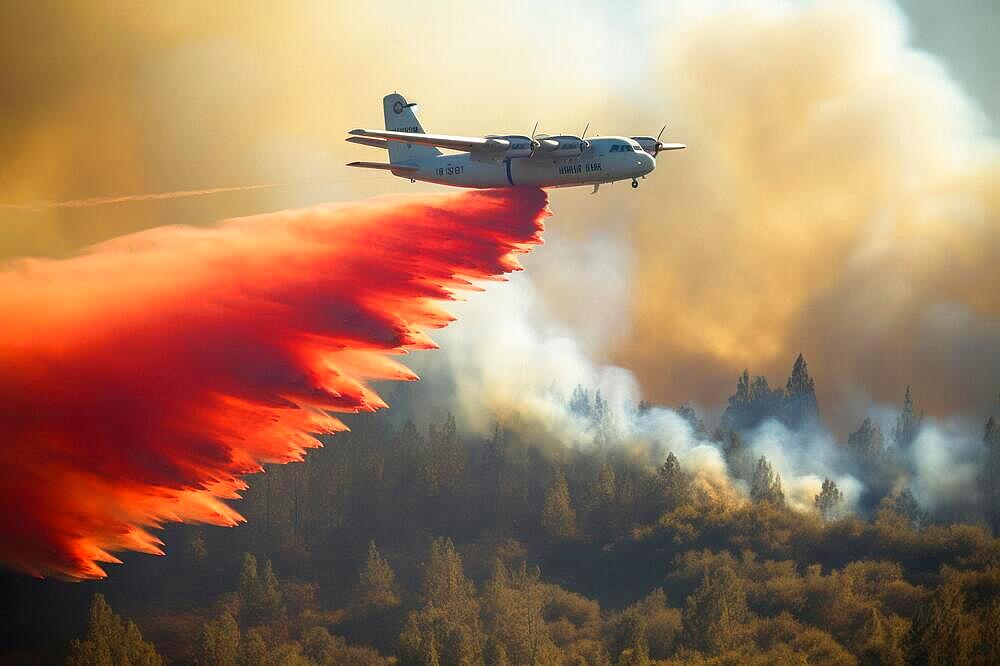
(635, 183)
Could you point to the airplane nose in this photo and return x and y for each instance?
(646, 163)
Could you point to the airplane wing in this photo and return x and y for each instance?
(464, 143)
(379, 165)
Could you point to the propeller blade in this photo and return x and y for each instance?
(584, 135)
(662, 129)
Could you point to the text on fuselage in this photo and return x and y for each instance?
(580, 168)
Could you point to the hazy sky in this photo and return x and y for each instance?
(965, 34)
(833, 170)
(106, 98)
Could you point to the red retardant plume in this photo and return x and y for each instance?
(142, 379)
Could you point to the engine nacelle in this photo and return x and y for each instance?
(564, 145)
(519, 145)
(648, 144)
(654, 146)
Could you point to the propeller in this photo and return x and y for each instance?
(534, 142)
(586, 144)
(659, 145)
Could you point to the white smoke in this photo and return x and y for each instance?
(837, 200)
(804, 459)
(508, 357)
(945, 460)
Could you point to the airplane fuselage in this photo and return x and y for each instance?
(509, 160)
(595, 165)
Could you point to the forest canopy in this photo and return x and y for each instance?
(419, 543)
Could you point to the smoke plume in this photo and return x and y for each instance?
(144, 377)
(840, 197)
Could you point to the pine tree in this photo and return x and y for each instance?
(444, 580)
(742, 396)
(766, 484)
(906, 505)
(320, 647)
(195, 549)
(799, 405)
(635, 651)
(558, 516)
(716, 615)
(606, 486)
(579, 403)
(259, 593)
(447, 630)
(989, 640)
(884, 643)
(220, 642)
(445, 462)
(829, 500)
(908, 423)
(673, 484)
(411, 468)
(249, 590)
(376, 587)
(496, 653)
(254, 650)
(753, 403)
(941, 632)
(513, 605)
(110, 641)
(602, 498)
(270, 593)
(737, 415)
(602, 411)
(495, 462)
(688, 413)
(867, 442)
(991, 474)
(417, 644)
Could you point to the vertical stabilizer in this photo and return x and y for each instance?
(400, 117)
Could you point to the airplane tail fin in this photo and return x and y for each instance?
(400, 117)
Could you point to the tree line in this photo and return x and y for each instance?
(397, 543)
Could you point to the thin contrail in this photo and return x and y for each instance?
(102, 201)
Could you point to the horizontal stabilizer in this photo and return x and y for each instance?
(379, 165)
(368, 141)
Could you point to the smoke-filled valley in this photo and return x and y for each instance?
(576, 524)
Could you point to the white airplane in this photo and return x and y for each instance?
(505, 160)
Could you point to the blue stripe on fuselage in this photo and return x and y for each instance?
(509, 179)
